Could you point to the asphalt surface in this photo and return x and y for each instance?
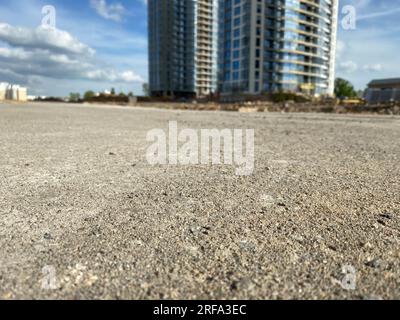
(84, 216)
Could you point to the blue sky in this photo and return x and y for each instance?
(101, 44)
(372, 49)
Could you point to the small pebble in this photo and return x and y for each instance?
(375, 263)
(386, 216)
(383, 223)
(47, 236)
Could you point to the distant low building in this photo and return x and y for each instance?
(13, 92)
(3, 90)
(383, 91)
(22, 94)
(17, 93)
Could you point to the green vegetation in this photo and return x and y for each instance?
(287, 96)
(74, 97)
(344, 89)
(146, 89)
(89, 95)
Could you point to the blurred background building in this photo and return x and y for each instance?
(383, 91)
(13, 92)
(3, 89)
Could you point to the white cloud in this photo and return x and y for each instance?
(47, 52)
(373, 46)
(113, 11)
(130, 76)
(373, 67)
(43, 38)
(113, 76)
(379, 14)
(340, 47)
(351, 67)
(17, 53)
(348, 66)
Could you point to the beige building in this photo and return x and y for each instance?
(13, 92)
(3, 90)
(22, 94)
(206, 50)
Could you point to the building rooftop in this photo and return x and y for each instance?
(384, 82)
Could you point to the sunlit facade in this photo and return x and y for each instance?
(277, 45)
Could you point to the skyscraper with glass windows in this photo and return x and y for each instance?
(277, 45)
(183, 47)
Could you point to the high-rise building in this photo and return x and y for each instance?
(277, 45)
(183, 47)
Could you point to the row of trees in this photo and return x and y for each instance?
(343, 89)
(89, 95)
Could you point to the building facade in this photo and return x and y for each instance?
(277, 45)
(383, 91)
(13, 92)
(3, 90)
(183, 47)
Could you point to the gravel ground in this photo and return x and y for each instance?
(83, 216)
